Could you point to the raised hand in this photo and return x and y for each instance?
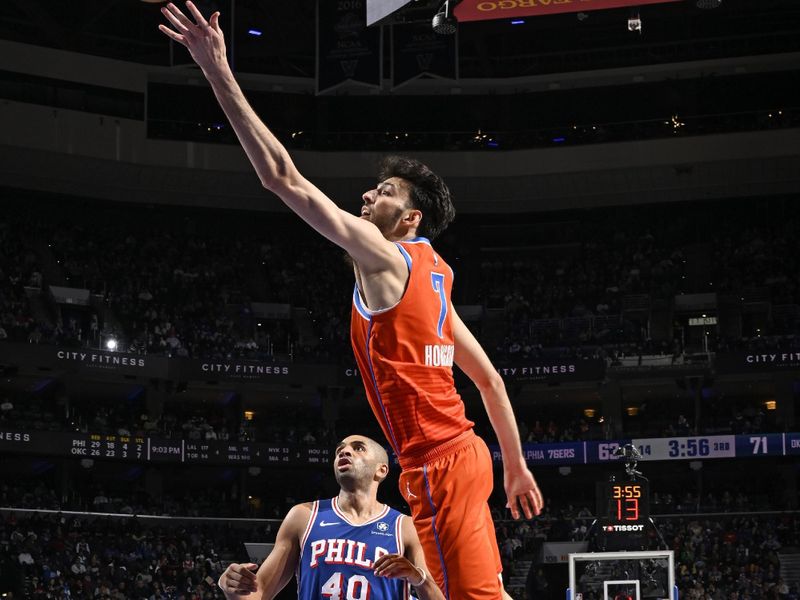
(203, 39)
(395, 566)
(239, 579)
(523, 492)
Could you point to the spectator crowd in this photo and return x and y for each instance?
(168, 282)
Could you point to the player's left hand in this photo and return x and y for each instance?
(202, 38)
(522, 493)
(395, 566)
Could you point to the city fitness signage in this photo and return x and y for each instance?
(529, 371)
(577, 369)
(88, 361)
(749, 362)
(255, 371)
(84, 360)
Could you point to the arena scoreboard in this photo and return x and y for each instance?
(156, 450)
(153, 449)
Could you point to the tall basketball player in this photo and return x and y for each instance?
(350, 547)
(406, 336)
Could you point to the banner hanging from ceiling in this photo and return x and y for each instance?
(347, 50)
(418, 52)
(483, 10)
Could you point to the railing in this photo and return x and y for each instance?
(574, 329)
(566, 134)
(152, 519)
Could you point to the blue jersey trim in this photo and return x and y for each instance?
(436, 531)
(335, 508)
(362, 310)
(418, 240)
(358, 300)
(405, 254)
(312, 519)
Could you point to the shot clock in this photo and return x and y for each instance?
(623, 509)
(623, 502)
(623, 516)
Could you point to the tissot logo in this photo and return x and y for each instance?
(624, 527)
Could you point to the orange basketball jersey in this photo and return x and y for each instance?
(405, 356)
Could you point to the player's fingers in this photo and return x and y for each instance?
(245, 575)
(538, 498)
(390, 570)
(175, 13)
(172, 35)
(521, 501)
(172, 17)
(536, 506)
(230, 586)
(381, 561)
(198, 16)
(512, 505)
(527, 505)
(385, 563)
(244, 567)
(214, 22)
(238, 583)
(535, 499)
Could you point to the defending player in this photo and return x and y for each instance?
(406, 336)
(349, 547)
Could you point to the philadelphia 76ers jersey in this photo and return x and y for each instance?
(337, 556)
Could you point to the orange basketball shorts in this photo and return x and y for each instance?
(447, 490)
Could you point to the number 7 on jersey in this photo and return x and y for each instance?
(437, 281)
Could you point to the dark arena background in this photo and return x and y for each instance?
(174, 344)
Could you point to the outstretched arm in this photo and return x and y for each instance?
(411, 566)
(360, 238)
(239, 580)
(521, 488)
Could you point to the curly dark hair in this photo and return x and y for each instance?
(429, 194)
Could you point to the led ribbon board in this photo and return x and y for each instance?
(484, 10)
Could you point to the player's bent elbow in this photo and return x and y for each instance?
(281, 178)
(291, 192)
(277, 184)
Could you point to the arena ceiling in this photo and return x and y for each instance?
(126, 29)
